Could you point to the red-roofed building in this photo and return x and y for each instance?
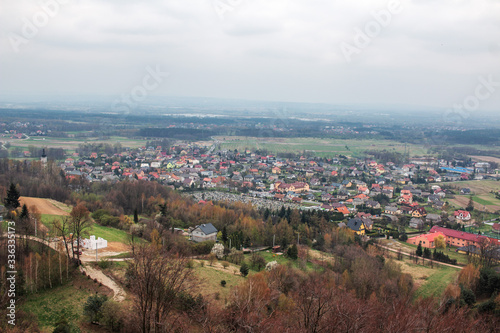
(427, 240)
(462, 215)
(459, 238)
(343, 210)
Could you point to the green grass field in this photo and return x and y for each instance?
(483, 201)
(51, 304)
(282, 260)
(210, 279)
(437, 281)
(108, 233)
(323, 147)
(70, 144)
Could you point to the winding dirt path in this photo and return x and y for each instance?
(119, 293)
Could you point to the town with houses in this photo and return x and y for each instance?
(362, 191)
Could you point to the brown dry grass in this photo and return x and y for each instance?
(45, 206)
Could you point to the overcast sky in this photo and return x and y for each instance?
(424, 53)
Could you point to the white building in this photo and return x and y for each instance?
(93, 242)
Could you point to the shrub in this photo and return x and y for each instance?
(244, 269)
(236, 257)
(211, 258)
(64, 326)
(467, 296)
(257, 261)
(293, 252)
(112, 316)
(202, 247)
(105, 263)
(93, 307)
(225, 264)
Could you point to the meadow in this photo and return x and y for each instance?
(323, 147)
(50, 305)
(108, 233)
(71, 144)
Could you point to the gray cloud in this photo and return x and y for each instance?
(430, 54)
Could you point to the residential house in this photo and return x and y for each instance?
(465, 190)
(392, 210)
(462, 215)
(416, 223)
(343, 209)
(433, 218)
(419, 212)
(368, 223)
(203, 232)
(357, 225)
(439, 205)
(406, 210)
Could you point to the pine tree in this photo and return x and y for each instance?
(293, 252)
(419, 250)
(12, 200)
(470, 205)
(24, 212)
(224, 235)
(244, 269)
(136, 216)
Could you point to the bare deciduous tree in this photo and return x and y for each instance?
(159, 278)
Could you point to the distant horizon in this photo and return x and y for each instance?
(106, 99)
(368, 53)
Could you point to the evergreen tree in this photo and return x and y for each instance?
(224, 235)
(267, 212)
(136, 216)
(163, 209)
(24, 212)
(244, 269)
(419, 250)
(93, 307)
(470, 205)
(12, 200)
(282, 211)
(293, 252)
